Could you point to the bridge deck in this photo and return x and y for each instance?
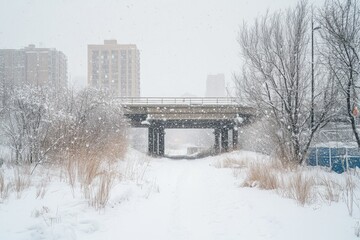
(188, 101)
(186, 112)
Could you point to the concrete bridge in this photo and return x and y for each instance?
(157, 114)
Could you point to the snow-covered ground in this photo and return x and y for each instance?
(172, 199)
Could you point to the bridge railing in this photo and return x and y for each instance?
(178, 100)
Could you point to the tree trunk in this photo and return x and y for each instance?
(349, 110)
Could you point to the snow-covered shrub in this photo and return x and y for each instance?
(43, 124)
(93, 126)
(25, 123)
(84, 133)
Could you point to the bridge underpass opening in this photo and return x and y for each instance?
(221, 137)
(186, 142)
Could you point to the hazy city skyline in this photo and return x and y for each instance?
(180, 42)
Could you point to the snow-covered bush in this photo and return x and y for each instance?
(25, 123)
(40, 124)
(92, 125)
(84, 134)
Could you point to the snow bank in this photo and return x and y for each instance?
(159, 198)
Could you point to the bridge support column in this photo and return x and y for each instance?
(217, 140)
(235, 141)
(224, 139)
(150, 140)
(161, 141)
(156, 142)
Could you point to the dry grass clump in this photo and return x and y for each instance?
(18, 182)
(286, 179)
(87, 169)
(293, 181)
(94, 168)
(100, 190)
(349, 193)
(259, 175)
(2, 182)
(4, 187)
(332, 189)
(299, 187)
(134, 170)
(21, 181)
(41, 189)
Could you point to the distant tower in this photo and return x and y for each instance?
(115, 67)
(215, 85)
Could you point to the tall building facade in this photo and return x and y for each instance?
(34, 66)
(215, 86)
(115, 67)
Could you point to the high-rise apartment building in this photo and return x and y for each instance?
(34, 66)
(215, 85)
(115, 67)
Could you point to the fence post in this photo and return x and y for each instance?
(316, 156)
(330, 158)
(347, 160)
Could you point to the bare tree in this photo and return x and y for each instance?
(276, 79)
(340, 25)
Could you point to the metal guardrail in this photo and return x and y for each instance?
(178, 101)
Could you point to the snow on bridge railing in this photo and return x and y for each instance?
(178, 101)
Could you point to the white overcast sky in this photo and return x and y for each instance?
(180, 41)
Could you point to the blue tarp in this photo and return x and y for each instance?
(335, 158)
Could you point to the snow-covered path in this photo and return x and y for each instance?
(176, 199)
(192, 204)
(198, 201)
